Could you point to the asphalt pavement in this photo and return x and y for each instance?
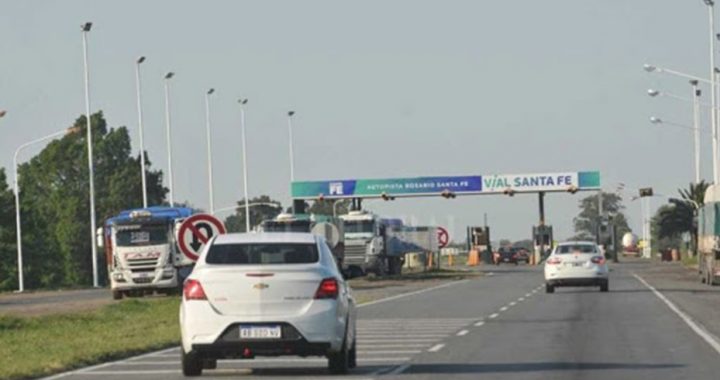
(502, 325)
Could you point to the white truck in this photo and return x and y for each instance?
(377, 245)
(141, 252)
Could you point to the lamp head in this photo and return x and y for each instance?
(169, 75)
(210, 91)
(653, 93)
(86, 27)
(649, 68)
(655, 120)
(290, 113)
(141, 59)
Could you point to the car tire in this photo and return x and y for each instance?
(209, 364)
(191, 365)
(352, 360)
(339, 362)
(117, 295)
(549, 288)
(605, 286)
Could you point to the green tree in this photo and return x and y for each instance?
(54, 200)
(325, 207)
(679, 217)
(587, 221)
(264, 210)
(8, 261)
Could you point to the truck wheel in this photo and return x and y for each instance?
(191, 364)
(117, 295)
(549, 288)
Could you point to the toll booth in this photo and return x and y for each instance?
(543, 241)
(479, 238)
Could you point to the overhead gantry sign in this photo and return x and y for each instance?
(508, 184)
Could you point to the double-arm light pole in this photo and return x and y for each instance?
(91, 171)
(140, 127)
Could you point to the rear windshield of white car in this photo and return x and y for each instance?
(575, 248)
(262, 254)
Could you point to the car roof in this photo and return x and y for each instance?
(580, 242)
(265, 237)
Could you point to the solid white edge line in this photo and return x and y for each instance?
(699, 329)
(398, 370)
(436, 347)
(106, 364)
(408, 294)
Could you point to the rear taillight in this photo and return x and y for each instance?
(554, 261)
(194, 291)
(598, 260)
(328, 289)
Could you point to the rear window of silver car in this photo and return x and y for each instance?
(573, 248)
(262, 254)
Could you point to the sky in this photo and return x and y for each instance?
(381, 89)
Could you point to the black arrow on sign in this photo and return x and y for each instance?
(196, 240)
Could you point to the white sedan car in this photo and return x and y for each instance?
(266, 294)
(576, 264)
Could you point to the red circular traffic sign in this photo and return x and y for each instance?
(195, 232)
(443, 237)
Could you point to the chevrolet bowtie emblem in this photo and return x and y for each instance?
(261, 286)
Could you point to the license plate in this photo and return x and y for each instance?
(260, 332)
(577, 264)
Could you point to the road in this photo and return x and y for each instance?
(501, 326)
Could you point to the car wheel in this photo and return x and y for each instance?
(549, 288)
(352, 360)
(191, 364)
(117, 295)
(339, 362)
(605, 286)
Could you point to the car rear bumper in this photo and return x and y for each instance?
(320, 326)
(230, 346)
(577, 281)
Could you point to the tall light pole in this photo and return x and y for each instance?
(290, 144)
(696, 127)
(140, 127)
(16, 188)
(243, 102)
(91, 170)
(168, 136)
(209, 148)
(713, 89)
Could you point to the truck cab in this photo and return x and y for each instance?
(364, 241)
(141, 251)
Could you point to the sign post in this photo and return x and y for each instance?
(195, 232)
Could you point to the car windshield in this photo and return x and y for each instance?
(139, 235)
(262, 254)
(575, 248)
(359, 226)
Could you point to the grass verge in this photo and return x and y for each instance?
(37, 346)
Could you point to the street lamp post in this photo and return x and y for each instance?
(713, 89)
(290, 145)
(168, 137)
(696, 127)
(243, 102)
(209, 147)
(16, 188)
(91, 175)
(140, 127)
(696, 139)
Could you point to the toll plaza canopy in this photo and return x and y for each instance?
(431, 186)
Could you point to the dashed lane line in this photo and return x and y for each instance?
(436, 347)
(462, 332)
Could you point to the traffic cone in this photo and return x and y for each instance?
(472, 258)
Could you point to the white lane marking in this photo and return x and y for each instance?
(504, 308)
(493, 315)
(361, 336)
(699, 329)
(104, 365)
(478, 324)
(388, 352)
(403, 295)
(380, 346)
(143, 372)
(521, 299)
(528, 294)
(399, 340)
(399, 370)
(436, 347)
(513, 303)
(462, 332)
